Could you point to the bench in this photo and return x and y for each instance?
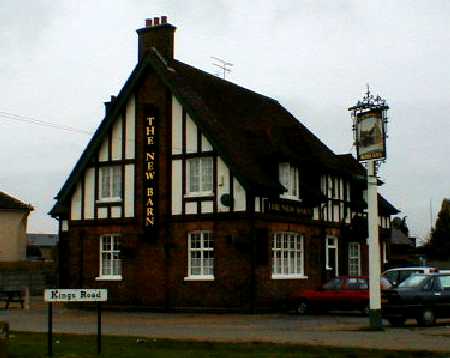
(9, 296)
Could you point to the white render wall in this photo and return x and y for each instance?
(129, 191)
(239, 196)
(177, 184)
(89, 193)
(177, 126)
(223, 183)
(130, 124)
(75, 207)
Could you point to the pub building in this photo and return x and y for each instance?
(196, 193)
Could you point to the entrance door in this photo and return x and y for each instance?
(332, 257)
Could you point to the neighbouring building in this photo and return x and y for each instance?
(42, 247)
(197, 193)
(13, 228)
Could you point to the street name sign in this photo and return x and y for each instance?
(76, 295)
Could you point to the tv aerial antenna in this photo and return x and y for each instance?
(223, 65)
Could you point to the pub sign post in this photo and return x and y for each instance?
(370, 132)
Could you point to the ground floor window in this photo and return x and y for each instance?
(354, 259)
(201, 255)
(287, 255)
(110, 262)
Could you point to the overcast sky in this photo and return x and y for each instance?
(60, 60)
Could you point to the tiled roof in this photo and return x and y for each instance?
(10, 203)
(251, 132)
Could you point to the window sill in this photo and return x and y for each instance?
(108, 200)
(293, 198)
(199, 278)
(199, 194)
(289, 277)
(108, 278)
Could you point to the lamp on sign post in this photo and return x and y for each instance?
(369, 133)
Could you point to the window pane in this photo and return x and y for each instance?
(106, 264)
(117, 182)
(105, 182)
(195, 241)
(194, 175)
(294, 186)
(284, 175)
(207, 174)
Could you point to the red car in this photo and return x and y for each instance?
(341, 293)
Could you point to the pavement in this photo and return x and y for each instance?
(337, 330)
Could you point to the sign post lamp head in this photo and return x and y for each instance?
(369, 133)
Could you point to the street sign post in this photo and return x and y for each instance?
(370, 132)
(74, 295)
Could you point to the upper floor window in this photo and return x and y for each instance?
(110, 183)
(200, 176)
(289, 179)
(110, 262)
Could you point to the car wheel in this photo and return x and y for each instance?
(365, 310)
(303, 307)
(397, 321)
(427, 318)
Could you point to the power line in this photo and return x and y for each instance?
(30, 120)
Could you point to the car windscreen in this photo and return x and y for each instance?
(413, 281)
(334, 284)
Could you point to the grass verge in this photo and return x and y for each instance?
(34, 345)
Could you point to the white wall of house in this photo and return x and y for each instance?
(130, 124)
(13, 239)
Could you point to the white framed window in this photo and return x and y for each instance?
(332, 262)
(201, 256)
(200, 176)
(110, 183)
(65, 226)
(110, 262)
(354, 259)
(287, 255)
(289, 179)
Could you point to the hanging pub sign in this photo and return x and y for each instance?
(150, 173)
(370, 140)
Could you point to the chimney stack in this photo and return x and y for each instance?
(157, 33)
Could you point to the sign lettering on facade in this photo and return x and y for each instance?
(76, 295)
(150, 174)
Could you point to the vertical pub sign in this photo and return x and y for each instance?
(370, 135)
(151, 168)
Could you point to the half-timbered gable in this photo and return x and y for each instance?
(105, 188)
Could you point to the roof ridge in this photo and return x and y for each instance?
(9, 202)
(229, 83)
